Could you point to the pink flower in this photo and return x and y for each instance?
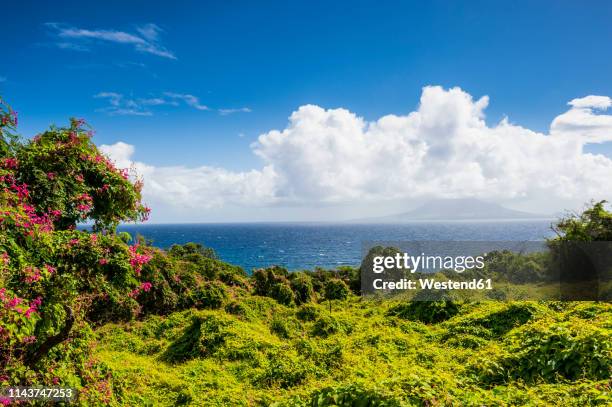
(83, 208)
(56, 380)
(9, 163)
(32, 274)
(137, 260)
(103, 261)
(51, 175)
(146, 286)
(50, 269)
(29, 339)
(33, 307)
(14, 302)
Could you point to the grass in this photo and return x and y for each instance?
(268, 354)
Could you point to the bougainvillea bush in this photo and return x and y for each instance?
(50, 272)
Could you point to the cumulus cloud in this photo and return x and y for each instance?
(583, 122)
(145, 40)
(199, 187)
(442, 149)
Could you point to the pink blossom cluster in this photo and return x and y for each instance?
(9, 119)
(146, 212)
(44, 221)
(32, 274)
(33, 306)
(14, 303)
(144, 286)
(85, 203)
(137, 260)
(5, 259)
(10, 163)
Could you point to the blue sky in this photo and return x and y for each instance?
(266, 59)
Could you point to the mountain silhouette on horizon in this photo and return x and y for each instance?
(458, 209)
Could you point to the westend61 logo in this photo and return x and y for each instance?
(422, 262)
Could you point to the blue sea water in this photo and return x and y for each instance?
(300, 246)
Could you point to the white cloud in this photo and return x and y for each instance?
(147, 39)
(191, 100)
(442, 149)
(582, 121)
(118, 105)
(121, 105)
(595, 102)
(225, 112)
(200, 187)
(71, 46)
(150, 31)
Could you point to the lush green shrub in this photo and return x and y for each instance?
(308, 312)
(301, 284)
(284, 327)
(211, 294)
(328, 325)
(350, 396)
(428, 312)
(191, 252)
(273, 282)
(206, 334)
(500, 319)
(285, 370)
(552, 351)
(282, 293)
(336, 289)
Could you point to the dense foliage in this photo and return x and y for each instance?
(51, 274)
(129, 324)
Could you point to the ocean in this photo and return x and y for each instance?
(304, 246)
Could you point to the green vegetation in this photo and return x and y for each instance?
(129, 324)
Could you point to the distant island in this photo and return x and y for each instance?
(456, 209)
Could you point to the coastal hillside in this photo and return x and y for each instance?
(125, 323)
